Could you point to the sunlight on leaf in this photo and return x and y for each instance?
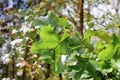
(49, 39)
(107, 53)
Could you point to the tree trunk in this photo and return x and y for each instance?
(80, 25)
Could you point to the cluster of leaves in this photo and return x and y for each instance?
(15, 44)
(65, 50)
(49, 45)
(107, 53)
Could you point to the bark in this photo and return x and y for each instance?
(80, 25)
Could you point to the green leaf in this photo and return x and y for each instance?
(105, 65)
(103, 35)
(74, 41)
(116, 40)
(117, 54)
(100, 45)
(88, 35)
(63, 22)
(47, 34)
(53, 20)
(60, 66)
(41, 22)
(95, 64)
(64, 36)
(107, 53)
(79, 74)
(47, 54)
(81, 61)
(92, 70)
(49, 39)
(100, 34)
(73, 67)
(61, 49)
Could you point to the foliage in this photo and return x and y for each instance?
(52, 41)
(83, 58)
(45, 45)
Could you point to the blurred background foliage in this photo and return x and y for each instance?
(40, 40)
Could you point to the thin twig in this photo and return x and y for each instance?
(58, 13)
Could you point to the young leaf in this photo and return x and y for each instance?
(49, 39)
(107, 53)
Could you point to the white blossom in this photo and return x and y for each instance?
(26, 17)
(16, 42)
(6, 58)
(63, 58)
(6, 79)
(21, 65)
(24, 28)
(19, 73)
(14, 31)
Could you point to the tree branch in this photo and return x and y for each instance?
(80, 25)
(58, 13)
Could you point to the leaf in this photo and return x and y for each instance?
(61, 49)
(105, 65)
(53, 20)
(64, 36)
(107, 53)
(41, 22)
(49, 39)
(100, 45)
(47, 54)
(81, 61)
(116, 40)
(74, 41)
(101, 34)
(117, 54)
(79, 74)
(95, 64)
(88, 35)
(91, 67)
(63, 22)
(73, 67)
(47, 34)
(60, 66)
